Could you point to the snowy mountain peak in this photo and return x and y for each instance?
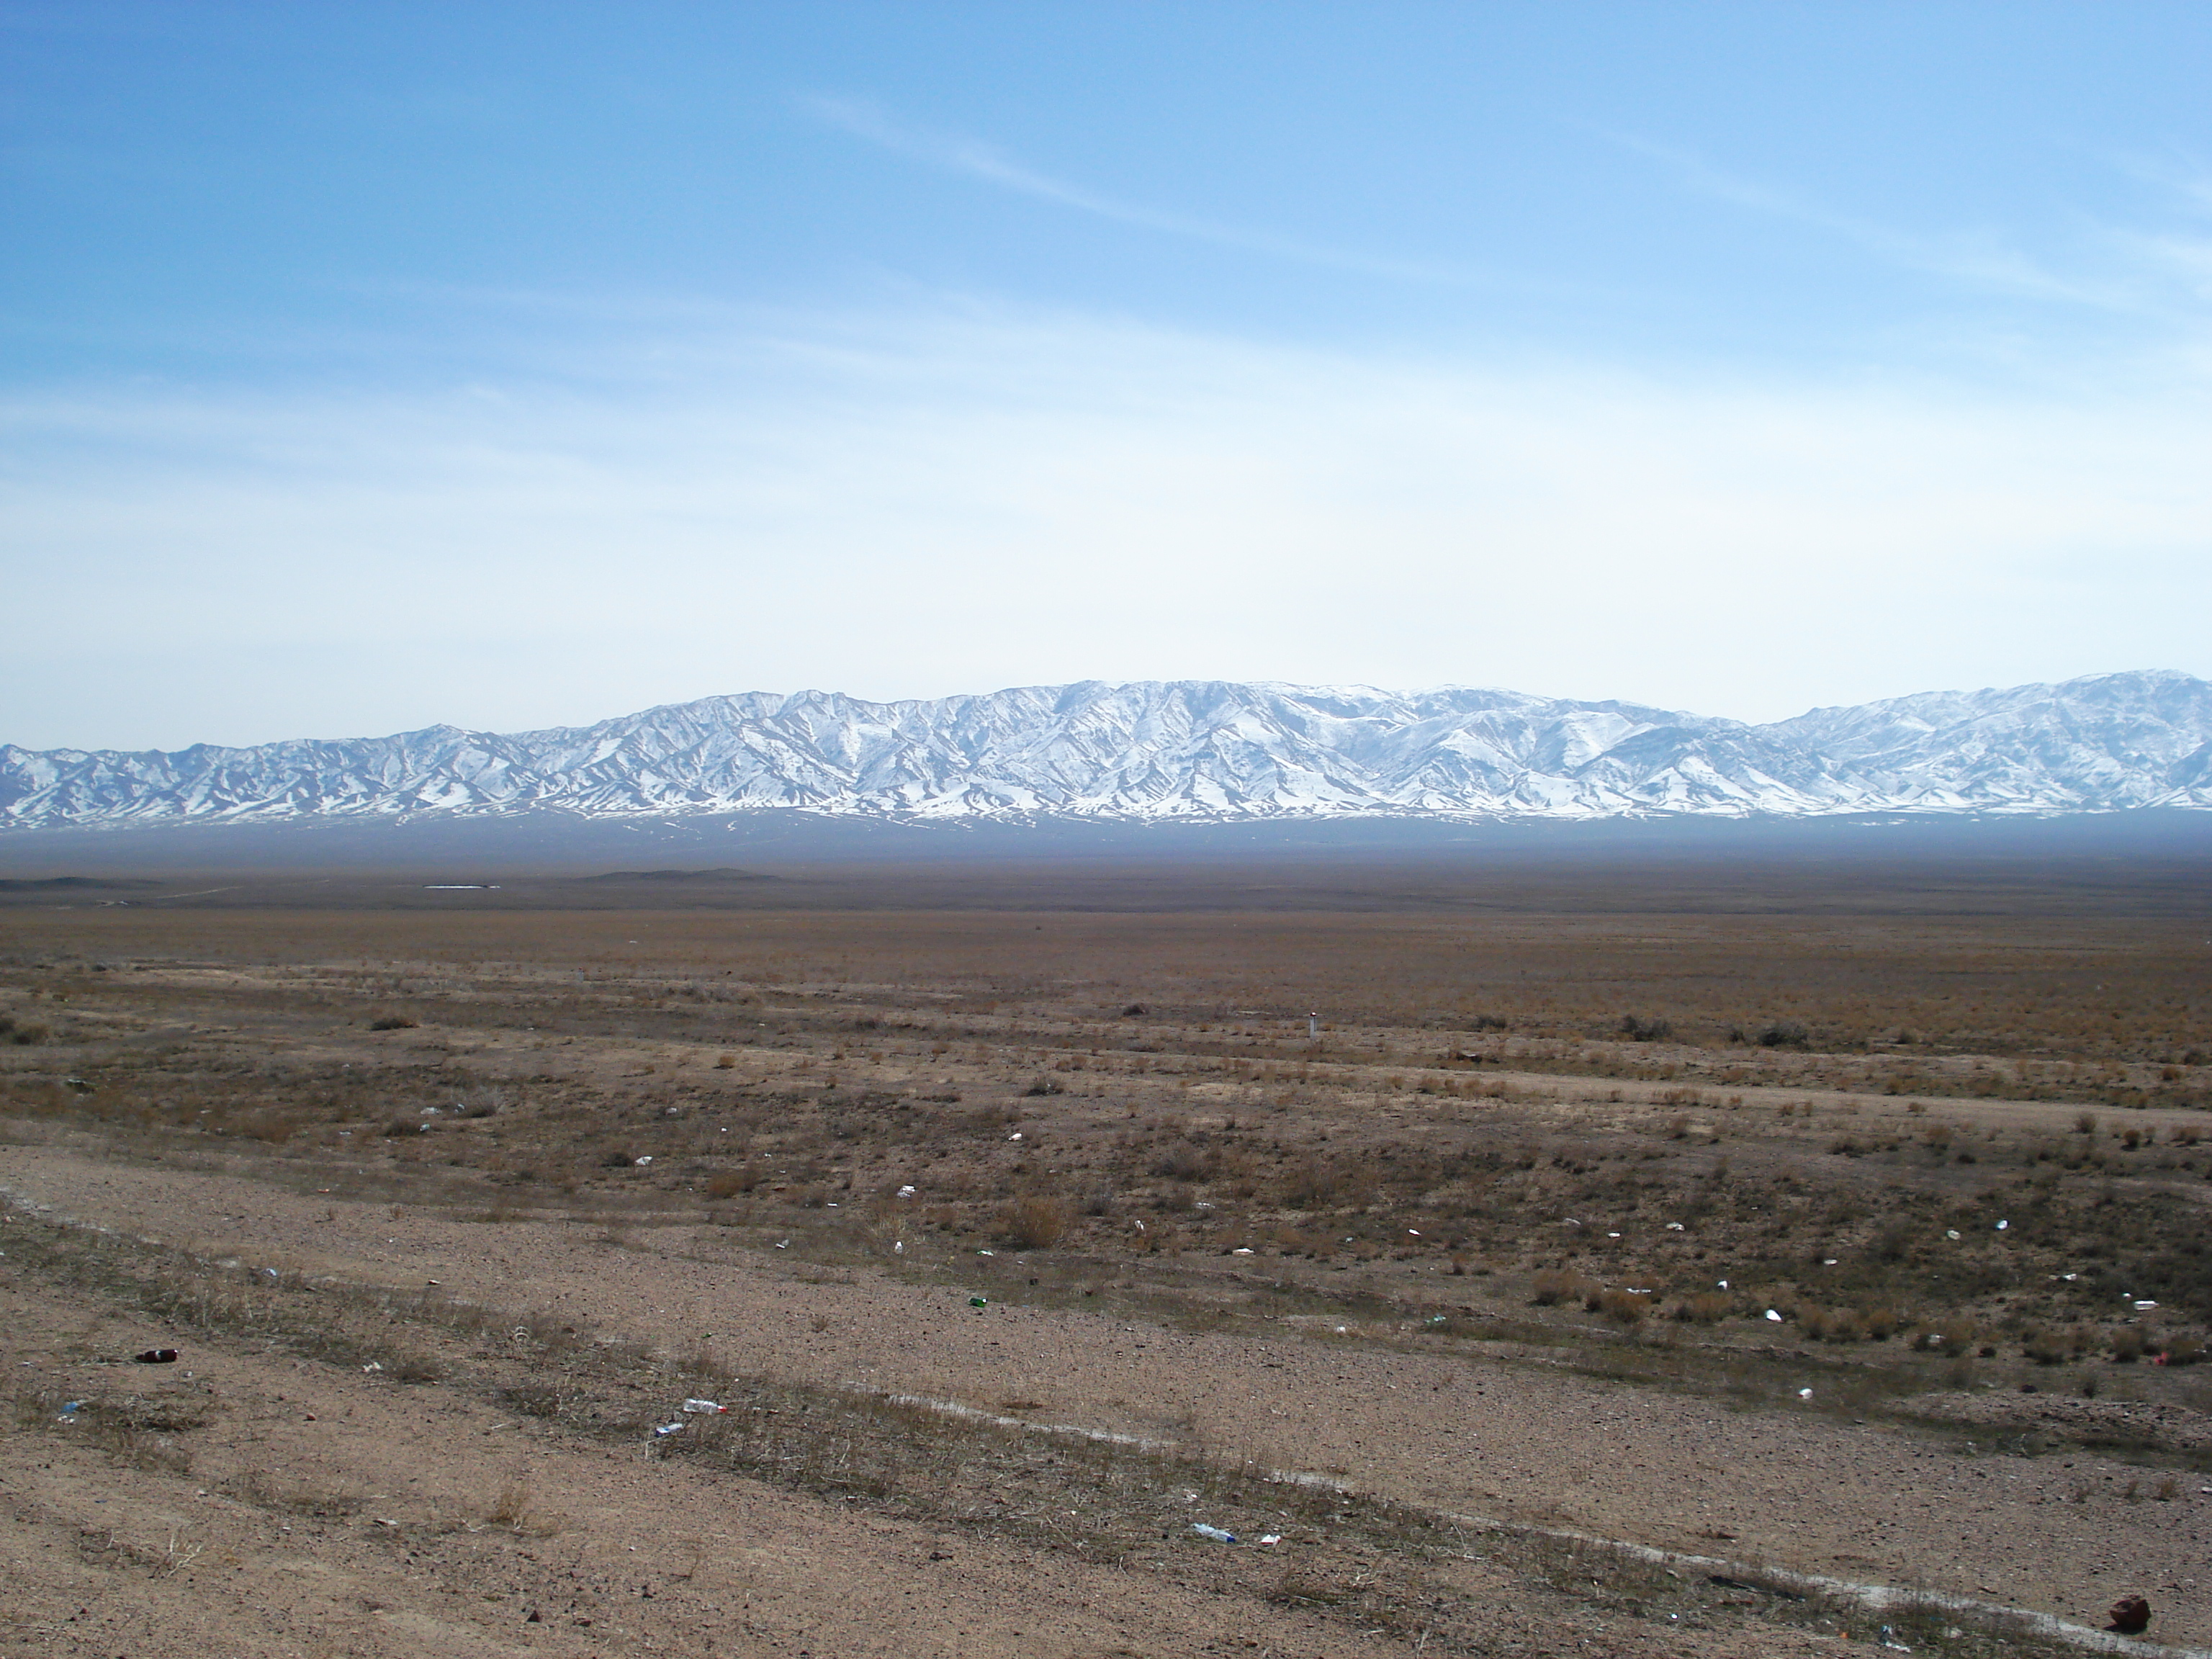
(1192, 749)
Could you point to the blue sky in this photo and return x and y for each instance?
(373, 364)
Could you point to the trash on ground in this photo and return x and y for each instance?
(70, 1412)
(646, 1159)
(977, 1301)
(1804, 1394)
(2131, 1616)
(2145, 1307)
(907, 1191)
(1214, 1533)
(704, 1406)
(783, 1245)
(1673, 1226)
(1241, 1250)
(2001, 1225)
(1951, 1232)
(157, 1356)
(1272, 1538)
(667, 1429)
(1773, 1315)
(373, 1366)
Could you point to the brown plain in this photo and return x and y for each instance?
(1493, 1296)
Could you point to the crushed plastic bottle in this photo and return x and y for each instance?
(704, 1406)
(1215, 1533)
(667, 1429)
(977, 1301)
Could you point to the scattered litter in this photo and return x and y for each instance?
(987, 1253)
(1804, 1394)
(70, 1412)
(1017, 1135)
(1571, 1222)
(1952, 1232)
(2001, 1225)
(1774, 1316)
(2069, 1278)
(907, 1191)
(667, 1429)
(1828, 1262)
(381, 1521)
(704, 1406)
(2145, 1307)
(783, 1245)
(1214, 1533)
(1673, 1226)
(898, 1247)
(1272, 1538)
(646, 1159)
(372, 1366)
(1241, 1250)
(1721, 1283)
(1342, 1330)
(1612, 1235)
(157, 1356)
(1412, 1232)
(978, 1302)
(271, 1272)
(1433, 1319)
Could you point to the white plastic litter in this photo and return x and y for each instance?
(1804, 1394)
(1214, 1532)
(1272, 1538)
(646, 1159)
(1241, 1250)
(1017, 1135)
(907, 1191)
(2001, 1225)
(2145, 1307)
(1673, 1226)
(704, 1406)
(1773, 1315)
(1721, 1283)
(667, 1429)
(1952, 1232)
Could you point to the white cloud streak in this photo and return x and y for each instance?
(980, 161)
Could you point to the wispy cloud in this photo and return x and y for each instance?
(1978, 258)
(993, 166)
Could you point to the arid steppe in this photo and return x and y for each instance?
(1667, 1260)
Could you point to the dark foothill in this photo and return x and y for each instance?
(2131, 1616)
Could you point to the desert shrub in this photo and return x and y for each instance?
(1043, 1085)
(2127, 1345)
(614, 1158)
(2045, 1346)
(2184, 1350)
(1705, 1308)
(391, 1023)
(404, 1126)
(1034, 1223)
(27, 1033)
(1554, 1285)
(1784, 1034)
(1637, 1028)
(1629, 1306)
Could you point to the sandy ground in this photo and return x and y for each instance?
(1796, 1489)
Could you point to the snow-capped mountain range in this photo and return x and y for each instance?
(1193, 751)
